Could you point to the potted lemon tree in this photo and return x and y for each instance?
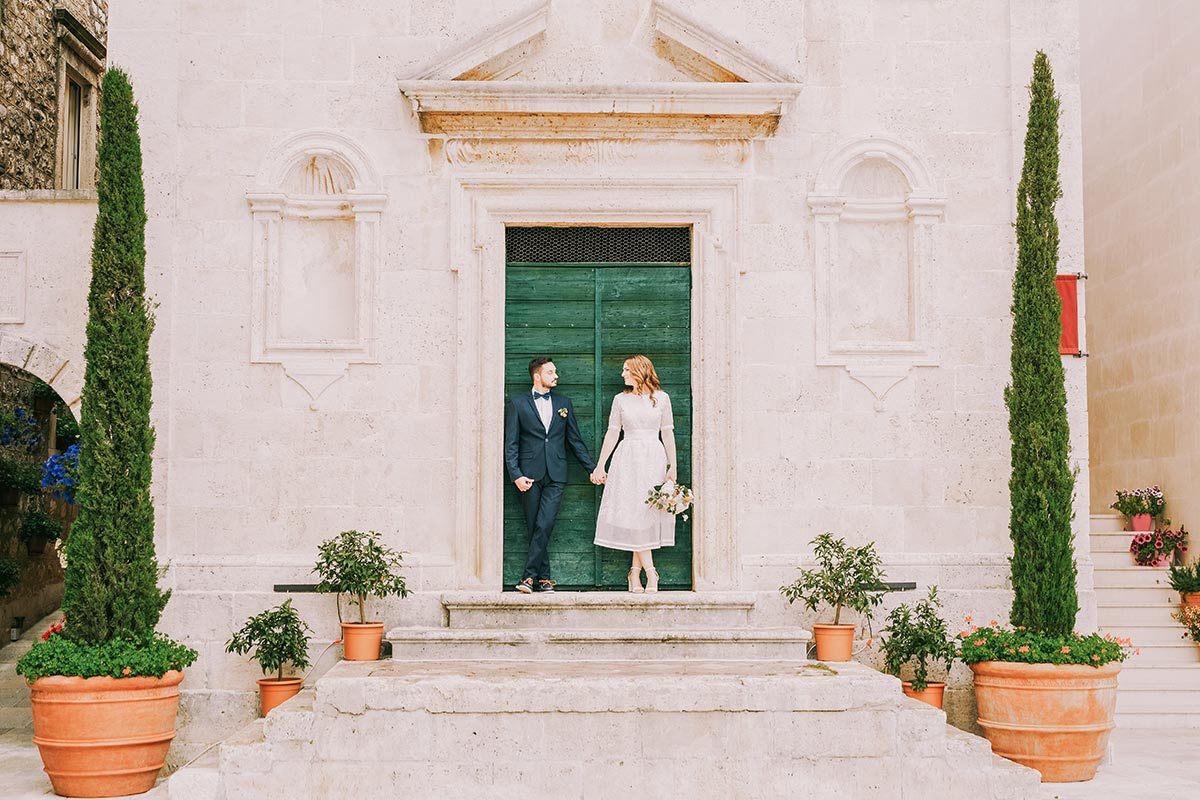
(359, 565)
(919, 635)
(274, 638)
(107, 681)
(846, 578)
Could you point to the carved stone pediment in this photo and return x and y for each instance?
(528, 78)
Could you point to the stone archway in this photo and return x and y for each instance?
(63, 372)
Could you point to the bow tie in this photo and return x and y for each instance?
(540, 396)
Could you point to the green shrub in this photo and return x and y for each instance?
(848, 577)
(1185, 578)
(39, 524)
(1042, 485)
(918, 634)
(25, 478)
(1002, 643)
(10, 575)
(154, 655)
(357, 564)
(276, 636)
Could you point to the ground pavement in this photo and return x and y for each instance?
(1147, 764)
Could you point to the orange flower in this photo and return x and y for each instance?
(993, 623)
(964, 634)
(1095, 658)
(126, 671)
(1023, 648)
(1066, 649)
(967, 619)
(979, 642)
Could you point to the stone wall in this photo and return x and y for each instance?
(29, 77)
(1142, 195)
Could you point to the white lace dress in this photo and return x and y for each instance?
(638, 464)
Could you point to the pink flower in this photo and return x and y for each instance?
(993, 623)
(967, 619)
(1095, 658)
(1066, 649)
(126, 671)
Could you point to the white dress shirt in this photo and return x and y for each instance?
(545, 410)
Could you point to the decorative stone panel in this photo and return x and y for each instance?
(874, 205)
(316, 254)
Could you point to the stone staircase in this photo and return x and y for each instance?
(1160, 687)
(597, 696)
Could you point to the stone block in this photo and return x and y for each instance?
(387, 736)
(862, 733)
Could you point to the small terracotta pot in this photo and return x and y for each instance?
(1054, 718)
(1141, 522)
(834, 642)
(104, 737)
(1189, 598)
(361, 640)
(273, 691)
(932, 695)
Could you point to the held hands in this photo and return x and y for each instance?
(523, 483)
(599, 476)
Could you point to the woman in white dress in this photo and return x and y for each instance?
(641, 462)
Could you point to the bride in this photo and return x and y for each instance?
(641, 462)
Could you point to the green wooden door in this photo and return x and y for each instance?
(589, 316)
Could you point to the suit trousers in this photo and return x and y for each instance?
(540, 504)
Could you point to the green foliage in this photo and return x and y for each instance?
(917, 633)
(1185, 578)
(1000, 643)
(66, 430)
(1189, 618)
(1042, 484)
(357, 564)
(25, 478)
(849, 577)
(119, 658)
(39, 524)
(276, 636)
(10, 575)
(1149, 500)
(111, 584)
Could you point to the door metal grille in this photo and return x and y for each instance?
(596, 245)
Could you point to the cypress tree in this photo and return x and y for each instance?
(111, 589)
(1042, 485)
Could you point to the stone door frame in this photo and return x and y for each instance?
(481, 207)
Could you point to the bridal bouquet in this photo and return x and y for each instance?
(670, 496)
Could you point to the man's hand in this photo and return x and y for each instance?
(523, 483)
(598, 476)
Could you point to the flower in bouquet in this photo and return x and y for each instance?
(670, 496)
(1189, 618)
(1149, 500)
(1158, 547)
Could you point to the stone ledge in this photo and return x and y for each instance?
(44, 195)
(517, 601)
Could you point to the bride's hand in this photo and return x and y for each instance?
(598, 475)
(673, 475)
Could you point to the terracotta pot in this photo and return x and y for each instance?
(273, 691)
(104, 737)
(1141, 522)
(1189, 598)
(834, 642)
(361, 640)
(1054, 718)
(932, 695)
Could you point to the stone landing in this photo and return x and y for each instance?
(596, 696)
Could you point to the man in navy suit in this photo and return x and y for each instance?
(538, 427)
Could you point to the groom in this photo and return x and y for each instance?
(538, 426)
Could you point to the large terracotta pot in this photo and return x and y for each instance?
(1054, 718)
(104, 737)
(1141, 522)
(361, 640)
(834, 642)
(1190, 598)
(274, 691)
(932, 695)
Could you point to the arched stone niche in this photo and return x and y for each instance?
(316, 214)
(874, 204)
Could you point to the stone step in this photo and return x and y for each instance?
(1112, 559)
(598, 610)
(1134, 596)
(1132, 577)
(1106, 523)
(1115, 542)
(1183, 676)
(1135, 615)
(1155, 721)
(1142, 635)
(1158, 701)
(425, 644)
(1154, 655)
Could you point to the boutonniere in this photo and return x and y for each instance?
(562, 412)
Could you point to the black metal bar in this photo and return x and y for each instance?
(295, 587)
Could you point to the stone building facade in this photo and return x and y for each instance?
(332, 186)
(51, 56)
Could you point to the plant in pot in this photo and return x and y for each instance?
(38, 528)
(919, 634)
(104, 688)
(1141, 506)
(1045, 694)
(10, 575)
(17, 479)
(846, 577)
(1189, 618)
(359, 565)
(273, 638)
(1157, 548)
(1185, 579)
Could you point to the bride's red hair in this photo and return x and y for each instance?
(641, 369)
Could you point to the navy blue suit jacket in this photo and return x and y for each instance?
(533, 452)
